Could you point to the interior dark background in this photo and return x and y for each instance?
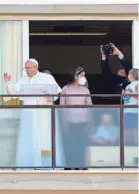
(62, 54)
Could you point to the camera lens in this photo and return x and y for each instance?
(107, 49)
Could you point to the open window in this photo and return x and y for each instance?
(61, 46)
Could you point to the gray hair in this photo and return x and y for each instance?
(135, 73)
(47, 71)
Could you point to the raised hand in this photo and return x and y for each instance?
(116, 51)
(7, 77)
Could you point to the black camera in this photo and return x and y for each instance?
(107, 49)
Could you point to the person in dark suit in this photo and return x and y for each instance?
(114, 85)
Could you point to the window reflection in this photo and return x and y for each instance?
(107, 132)
(93, 143)
(90, 143)
(131, 136)
(25, 137)
(131, 127)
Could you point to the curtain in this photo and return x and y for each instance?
(11, 63)
(10, 52)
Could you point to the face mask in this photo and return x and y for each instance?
(82, 80)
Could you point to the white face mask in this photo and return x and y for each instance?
(82, 81)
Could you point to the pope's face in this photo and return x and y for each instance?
(30, 68)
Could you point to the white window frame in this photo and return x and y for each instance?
(135, 43)
(25, 42)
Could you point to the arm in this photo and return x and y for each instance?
(125, 65)
(53, 81)
(123, 92)
(98, 140)
(120, 55)
(136, 89)
(104, 63)
(11, 90)
(88, 100)
(105, 66)
(63, 98)
(63, 112)
(100, 135)
(126, 92)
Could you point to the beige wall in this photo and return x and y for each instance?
(93, 181)
(62, 59)
(40, 191)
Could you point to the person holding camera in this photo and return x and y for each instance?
(119, 82)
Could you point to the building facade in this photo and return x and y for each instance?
(14, 51)
(14, 45)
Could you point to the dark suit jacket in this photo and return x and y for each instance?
(114, 84)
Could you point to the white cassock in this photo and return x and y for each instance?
(35, 126)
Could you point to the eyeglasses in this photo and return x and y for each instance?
(26, 68)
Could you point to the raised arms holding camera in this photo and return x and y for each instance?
(111, 49)
(119, 82)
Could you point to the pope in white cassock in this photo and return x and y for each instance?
(35, 124)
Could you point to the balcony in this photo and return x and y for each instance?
(33, 141)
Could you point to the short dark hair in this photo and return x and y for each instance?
(78, 71)
(73, 74)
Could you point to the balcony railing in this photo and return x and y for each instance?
(65, 136)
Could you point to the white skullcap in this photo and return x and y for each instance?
(33, 61)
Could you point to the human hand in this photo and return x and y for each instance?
(128, 92)
(116, 51)
(123, 91)
(98, 140)
(7, 77)
(101, 50)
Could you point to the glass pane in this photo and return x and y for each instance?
(25, 137)
(87, 137)
(131, 136)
